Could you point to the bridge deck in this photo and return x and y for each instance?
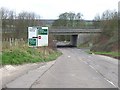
(73, 31)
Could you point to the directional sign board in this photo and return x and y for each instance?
(43, 36)
(32, 32)
(37, 36)
(32, 42)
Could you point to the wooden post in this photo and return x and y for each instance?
(10, 40)
(15, 41)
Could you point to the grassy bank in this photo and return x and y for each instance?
(28, 55)
(111, 54)
(0, 59)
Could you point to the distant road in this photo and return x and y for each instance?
(74, 69)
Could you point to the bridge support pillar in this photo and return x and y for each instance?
(86, 38)
(83, 37)
(73, 40)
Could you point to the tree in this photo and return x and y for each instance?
(7, 17)
(108, 22)
(108, 40)
(96, 20)
(68, 20)
(24, 20)
(16, 25)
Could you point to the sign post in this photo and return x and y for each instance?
(43, 38)
(37, 37)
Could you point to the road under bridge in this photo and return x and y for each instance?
(77, 35)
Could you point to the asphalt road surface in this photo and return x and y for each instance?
(74, 69)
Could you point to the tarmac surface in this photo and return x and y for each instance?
(74, 69)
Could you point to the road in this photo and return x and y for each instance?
(74, 69)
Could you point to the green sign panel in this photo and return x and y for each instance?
(42, 32)
(32, 41)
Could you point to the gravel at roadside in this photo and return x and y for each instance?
(11, 72)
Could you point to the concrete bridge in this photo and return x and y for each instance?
(77, 35)
(72, 31)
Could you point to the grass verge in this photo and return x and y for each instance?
(111, 54)
(27, 55)
(0, 59)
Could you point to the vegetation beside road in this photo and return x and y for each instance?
(23, 55)
(111, 54)
(108, 41)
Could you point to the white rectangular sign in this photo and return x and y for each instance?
(43, 36)
(32, 36)
(32, 32)
(43, 40)
(38, 36)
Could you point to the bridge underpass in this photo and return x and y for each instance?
(76, 35)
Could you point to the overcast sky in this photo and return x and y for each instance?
(50, 9)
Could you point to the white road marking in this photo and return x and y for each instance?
(69, 56)
(101, 74)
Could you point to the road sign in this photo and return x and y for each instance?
(38, 36)
(43, 36)
(42, 31)
(32, 34)
(32, 41)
